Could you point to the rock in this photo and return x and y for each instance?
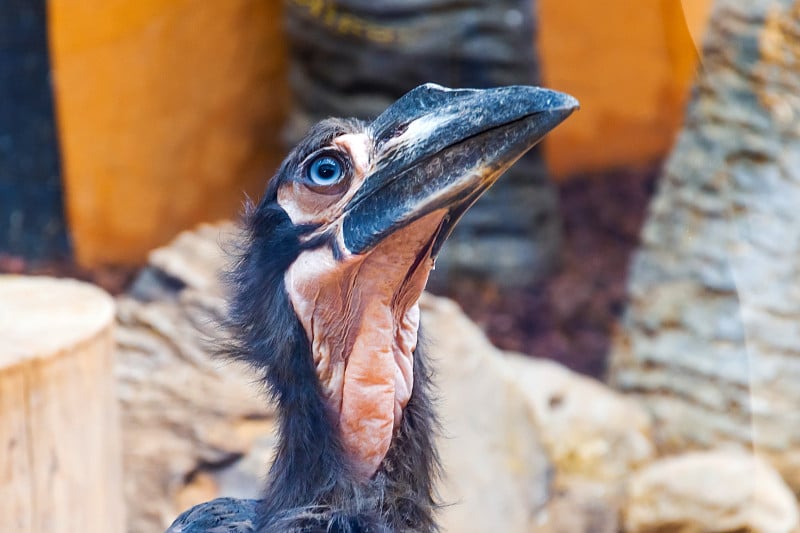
(578, 506)
(185, 413)
(497, 475)
(589, 430)
(594, 435)
(196, 257)
(715, 491)
(196, 427)
(709, 341)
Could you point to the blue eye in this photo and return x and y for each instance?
(325, 170)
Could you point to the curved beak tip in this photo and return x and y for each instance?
(452, 146)
(560, 102)
(569, 102)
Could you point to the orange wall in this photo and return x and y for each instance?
(630, 63)
(168, 110)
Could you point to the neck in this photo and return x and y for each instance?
(313, 483)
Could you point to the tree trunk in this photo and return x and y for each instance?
(356, 57)
(31, 212)
(60, 468)
(197, 427)
(710, 340)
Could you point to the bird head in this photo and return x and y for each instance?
(343, 242)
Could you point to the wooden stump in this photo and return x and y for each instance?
(60, 461)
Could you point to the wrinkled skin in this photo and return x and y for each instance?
(360, 312)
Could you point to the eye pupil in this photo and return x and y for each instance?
(325, 170)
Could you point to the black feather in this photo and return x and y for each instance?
(312, 486)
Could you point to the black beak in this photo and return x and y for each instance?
(439, 148)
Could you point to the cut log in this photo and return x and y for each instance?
(60, 465)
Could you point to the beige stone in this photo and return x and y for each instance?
(496, 472)
(715, 491)
(589, 430)
(595, 436)
(186, 412)
(709, 340)
(580, 506)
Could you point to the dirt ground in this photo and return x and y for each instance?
(567, 317)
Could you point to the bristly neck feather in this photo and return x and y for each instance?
(312, 485)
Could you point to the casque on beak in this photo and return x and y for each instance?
(438, 148)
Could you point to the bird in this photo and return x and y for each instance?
(323, 303)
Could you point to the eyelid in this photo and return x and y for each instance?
(341, 155)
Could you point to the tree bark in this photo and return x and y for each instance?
(60, 470)
(353, 58)
(710, 340)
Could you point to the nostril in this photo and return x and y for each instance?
(397, 131)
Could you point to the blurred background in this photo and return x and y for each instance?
(124, 123)
(648, 247)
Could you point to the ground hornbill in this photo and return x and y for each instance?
(324, 303)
